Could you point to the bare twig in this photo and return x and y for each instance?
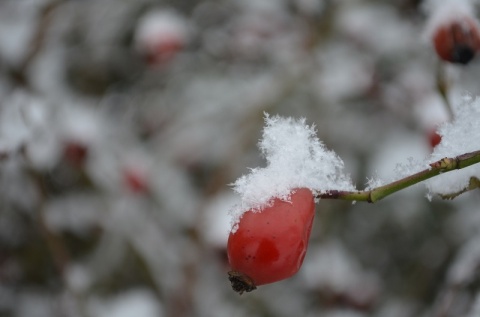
(19, 73)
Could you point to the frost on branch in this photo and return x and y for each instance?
(458, 137)
(295, 158)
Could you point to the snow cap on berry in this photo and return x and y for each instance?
(160, 27)
(296, 158)
(443, 12)
(460, 136)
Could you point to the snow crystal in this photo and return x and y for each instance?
(458, 137)
(374, 182)
(412, 166)
(296, 158)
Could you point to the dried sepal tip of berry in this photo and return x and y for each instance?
(241, 282)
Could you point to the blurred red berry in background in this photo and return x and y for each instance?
(135, 180)
(75, 153)
(434, 138)
(160, 36)
(457, 41)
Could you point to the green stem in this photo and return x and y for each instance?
(442, 88)
(442, 166)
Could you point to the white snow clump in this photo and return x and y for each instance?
(460, 136)
(296, 158)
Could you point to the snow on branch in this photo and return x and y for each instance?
(462, 135)
(297, 158)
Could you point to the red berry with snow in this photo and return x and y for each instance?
(163, 51)
(270, 245)
(160, 36)
(434, 138)
(457, 41)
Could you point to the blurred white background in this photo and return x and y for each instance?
(122, 122)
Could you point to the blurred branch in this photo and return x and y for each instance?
(20, 72)
(442, 88)
(439, 167)
(59, 251)
(55, 244)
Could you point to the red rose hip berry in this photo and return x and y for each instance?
(270, 245)
(457, 41)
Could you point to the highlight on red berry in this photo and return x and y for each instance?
(268, 246)
(455, 33)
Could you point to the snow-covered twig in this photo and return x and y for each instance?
(442, 166)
